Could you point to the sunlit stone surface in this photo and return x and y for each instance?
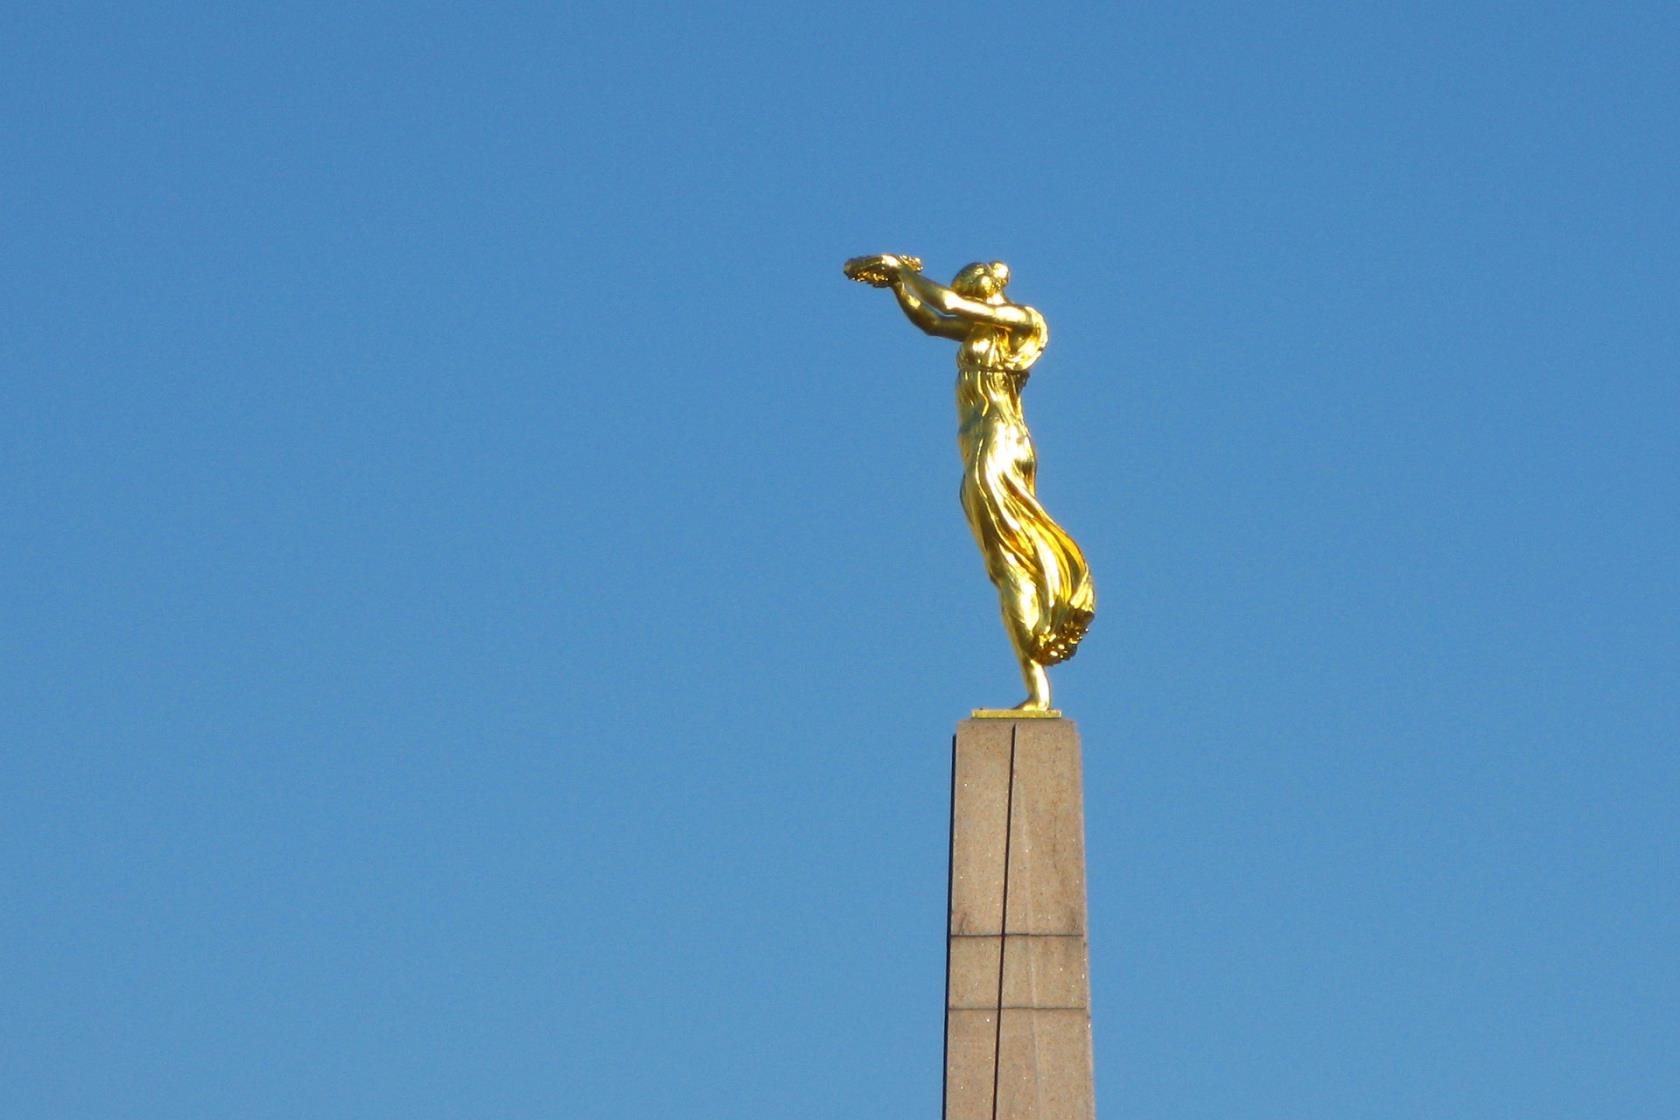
(1018, 1019)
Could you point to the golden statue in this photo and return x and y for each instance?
(1037, 568)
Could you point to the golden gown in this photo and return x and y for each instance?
(1039, 571)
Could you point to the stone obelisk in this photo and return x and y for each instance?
(1018, 1009)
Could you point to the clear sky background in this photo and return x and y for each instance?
(485, 602)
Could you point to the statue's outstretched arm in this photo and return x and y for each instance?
(926, 318)
(947, 302)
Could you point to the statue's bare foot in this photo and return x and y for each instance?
(1032, 704)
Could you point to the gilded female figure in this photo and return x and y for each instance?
(1037, 568)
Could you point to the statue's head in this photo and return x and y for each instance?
(982, 280)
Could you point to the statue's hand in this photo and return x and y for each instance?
(877, 270)
(881, 270)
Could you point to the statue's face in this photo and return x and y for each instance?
(980, 281)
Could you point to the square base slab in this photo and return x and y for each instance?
(1015, 713)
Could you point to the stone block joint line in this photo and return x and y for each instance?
(1003, 922)
(950, 893)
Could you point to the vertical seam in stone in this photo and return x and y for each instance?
(1003, 922)
(950, 898)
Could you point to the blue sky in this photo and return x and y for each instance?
(485, 602)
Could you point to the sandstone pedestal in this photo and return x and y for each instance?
(1018, 1016)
